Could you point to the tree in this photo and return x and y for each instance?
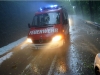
(91, 10)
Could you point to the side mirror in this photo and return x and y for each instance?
(29, 25)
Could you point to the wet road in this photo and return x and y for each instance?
(76, 59)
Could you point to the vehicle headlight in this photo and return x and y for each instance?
(70, 21)
(29, 40)
(57, 38)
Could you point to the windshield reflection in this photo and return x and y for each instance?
(46, 19)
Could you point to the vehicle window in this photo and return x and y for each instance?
(46, 19)
(63, 18)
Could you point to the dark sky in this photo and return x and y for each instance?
(14, 17)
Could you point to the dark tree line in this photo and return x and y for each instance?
(88, 9)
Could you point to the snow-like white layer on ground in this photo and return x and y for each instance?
(5, 57)
(11, 45)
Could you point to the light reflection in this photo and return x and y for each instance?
(62, 68)
(61, 64)
(52, 45)
(35, 69)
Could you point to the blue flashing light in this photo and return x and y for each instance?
(53, 6)
(48, 7)
(41, 9)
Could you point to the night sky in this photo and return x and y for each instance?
(14, 18)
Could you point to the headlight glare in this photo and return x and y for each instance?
(57, 38)
(29, 40)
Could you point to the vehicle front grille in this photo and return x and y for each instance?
(41, 41)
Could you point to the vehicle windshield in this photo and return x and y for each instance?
(46, 19)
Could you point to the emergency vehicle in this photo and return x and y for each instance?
(49, 28)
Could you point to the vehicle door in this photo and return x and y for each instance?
(65, 23)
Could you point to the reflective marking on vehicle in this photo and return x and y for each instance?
(7, 56)
(48, 30)
(52, 66)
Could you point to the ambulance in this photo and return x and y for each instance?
(49, 28)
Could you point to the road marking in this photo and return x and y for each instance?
(7, 56)
(32, 61)
(27, 66)
(52, 66)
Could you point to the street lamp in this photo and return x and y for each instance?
(74, 9)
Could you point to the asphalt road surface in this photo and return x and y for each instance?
(76, 59)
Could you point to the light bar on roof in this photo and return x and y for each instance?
(49, 7)
(53, 6)
(41, 9)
